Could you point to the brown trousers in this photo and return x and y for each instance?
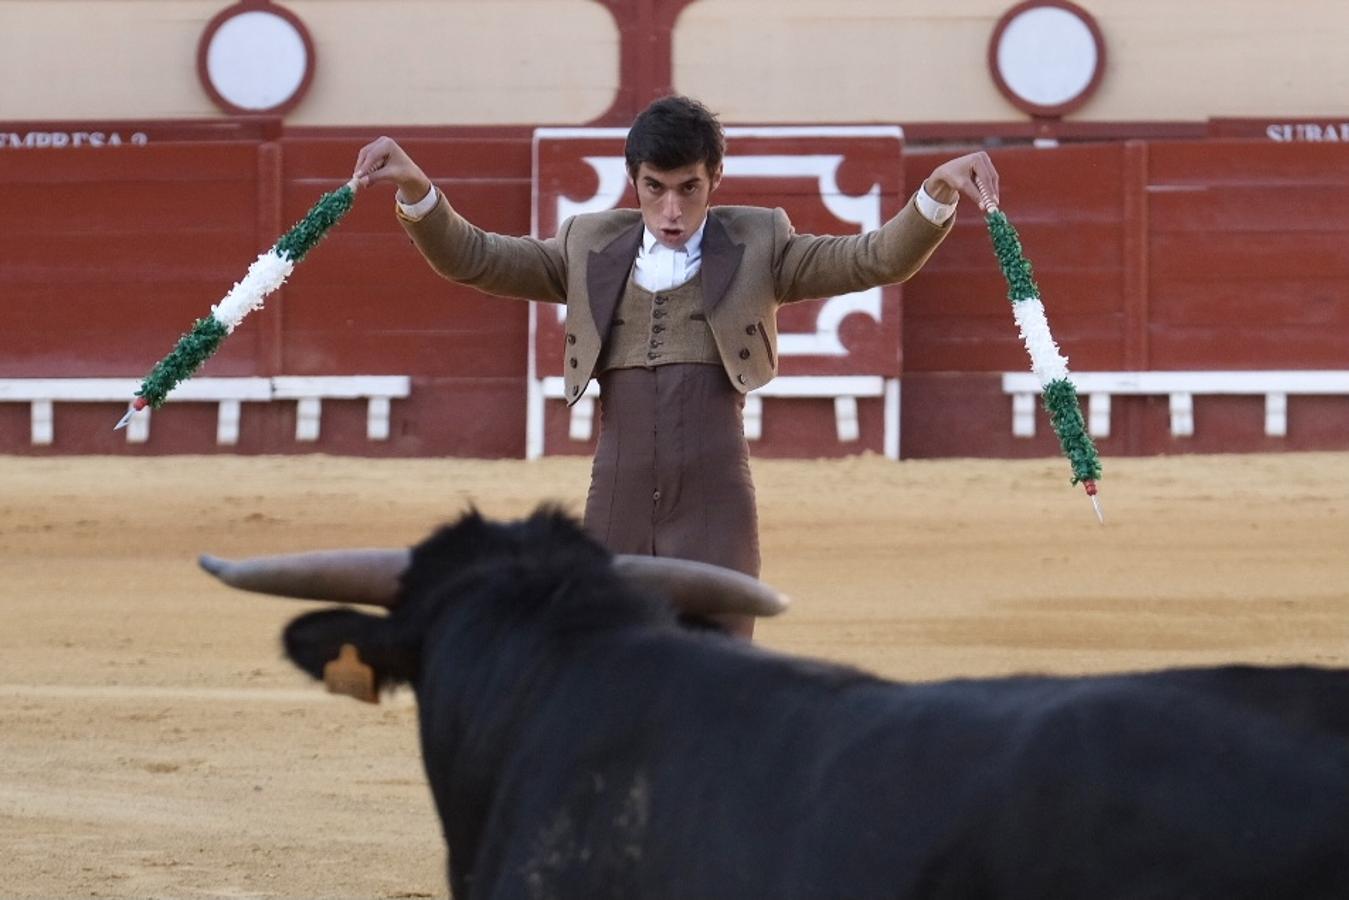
(671, 473)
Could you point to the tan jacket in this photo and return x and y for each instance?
(752, 261)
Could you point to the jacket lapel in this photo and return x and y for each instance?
(721, 259)
(607, 273)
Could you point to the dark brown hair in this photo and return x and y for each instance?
(674, 132)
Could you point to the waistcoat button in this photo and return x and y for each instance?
(744, 354)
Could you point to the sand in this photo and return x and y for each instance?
(155, 744)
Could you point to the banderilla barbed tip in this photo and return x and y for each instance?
(1090, 487)
(136, 406)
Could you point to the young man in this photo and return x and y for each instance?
(673, 308)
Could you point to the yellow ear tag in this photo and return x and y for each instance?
(348, 675)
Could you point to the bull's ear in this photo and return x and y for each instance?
(314, 640)
(352, 652)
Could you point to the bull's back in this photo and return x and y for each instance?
(681, 767)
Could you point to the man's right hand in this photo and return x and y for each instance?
(383, 160)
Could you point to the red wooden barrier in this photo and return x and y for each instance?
(111, 253)
(1204, 255)
(1164, 255)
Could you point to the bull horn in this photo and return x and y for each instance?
(344, 576)
(701, 589)
(371, 577)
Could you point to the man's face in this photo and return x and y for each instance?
(674, 201)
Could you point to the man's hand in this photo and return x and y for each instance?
(383, 160)
(972, 175)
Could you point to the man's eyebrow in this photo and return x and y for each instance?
(656, 182)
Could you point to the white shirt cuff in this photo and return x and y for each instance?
(934, 212)
(423, 206)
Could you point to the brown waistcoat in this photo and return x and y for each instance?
(657, 329)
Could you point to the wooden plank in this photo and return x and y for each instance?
(114, 207)
(340, 386)
(1134, 230)
(938, 345)
(1248, 163)
(310, 158)
(165, 167)
(1197, 382)
(105, 348)
(1313, 301)
(417, 354)
(268, 230)
(1251, 207)
(146, 255)
(119, 389)
(1270, 254)
(930, 295)
(1256, 347)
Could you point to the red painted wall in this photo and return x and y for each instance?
(110, 254)
(1184, 255)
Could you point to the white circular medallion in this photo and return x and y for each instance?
(1047, 56)
(255, 57)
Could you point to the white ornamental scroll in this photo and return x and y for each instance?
(864, 211)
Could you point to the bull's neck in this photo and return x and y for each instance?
(475, 691)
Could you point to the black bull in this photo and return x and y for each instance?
(581, 743)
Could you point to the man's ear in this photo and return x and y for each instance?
(716, 177)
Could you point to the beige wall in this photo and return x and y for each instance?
(926, 60)
(556, 61)
(379, 61)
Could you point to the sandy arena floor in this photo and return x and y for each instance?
(153, 743)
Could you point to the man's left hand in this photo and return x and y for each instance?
(972, 175)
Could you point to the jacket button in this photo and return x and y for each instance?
(655, 344)
(659, 314)
(657, 328)
(660, 299)
(750, 329)
(744, 353)
(572, 362)
(571, 339)
(740, 378)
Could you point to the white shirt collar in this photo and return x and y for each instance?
(693, 246)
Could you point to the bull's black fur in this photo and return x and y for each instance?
(580, 743)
